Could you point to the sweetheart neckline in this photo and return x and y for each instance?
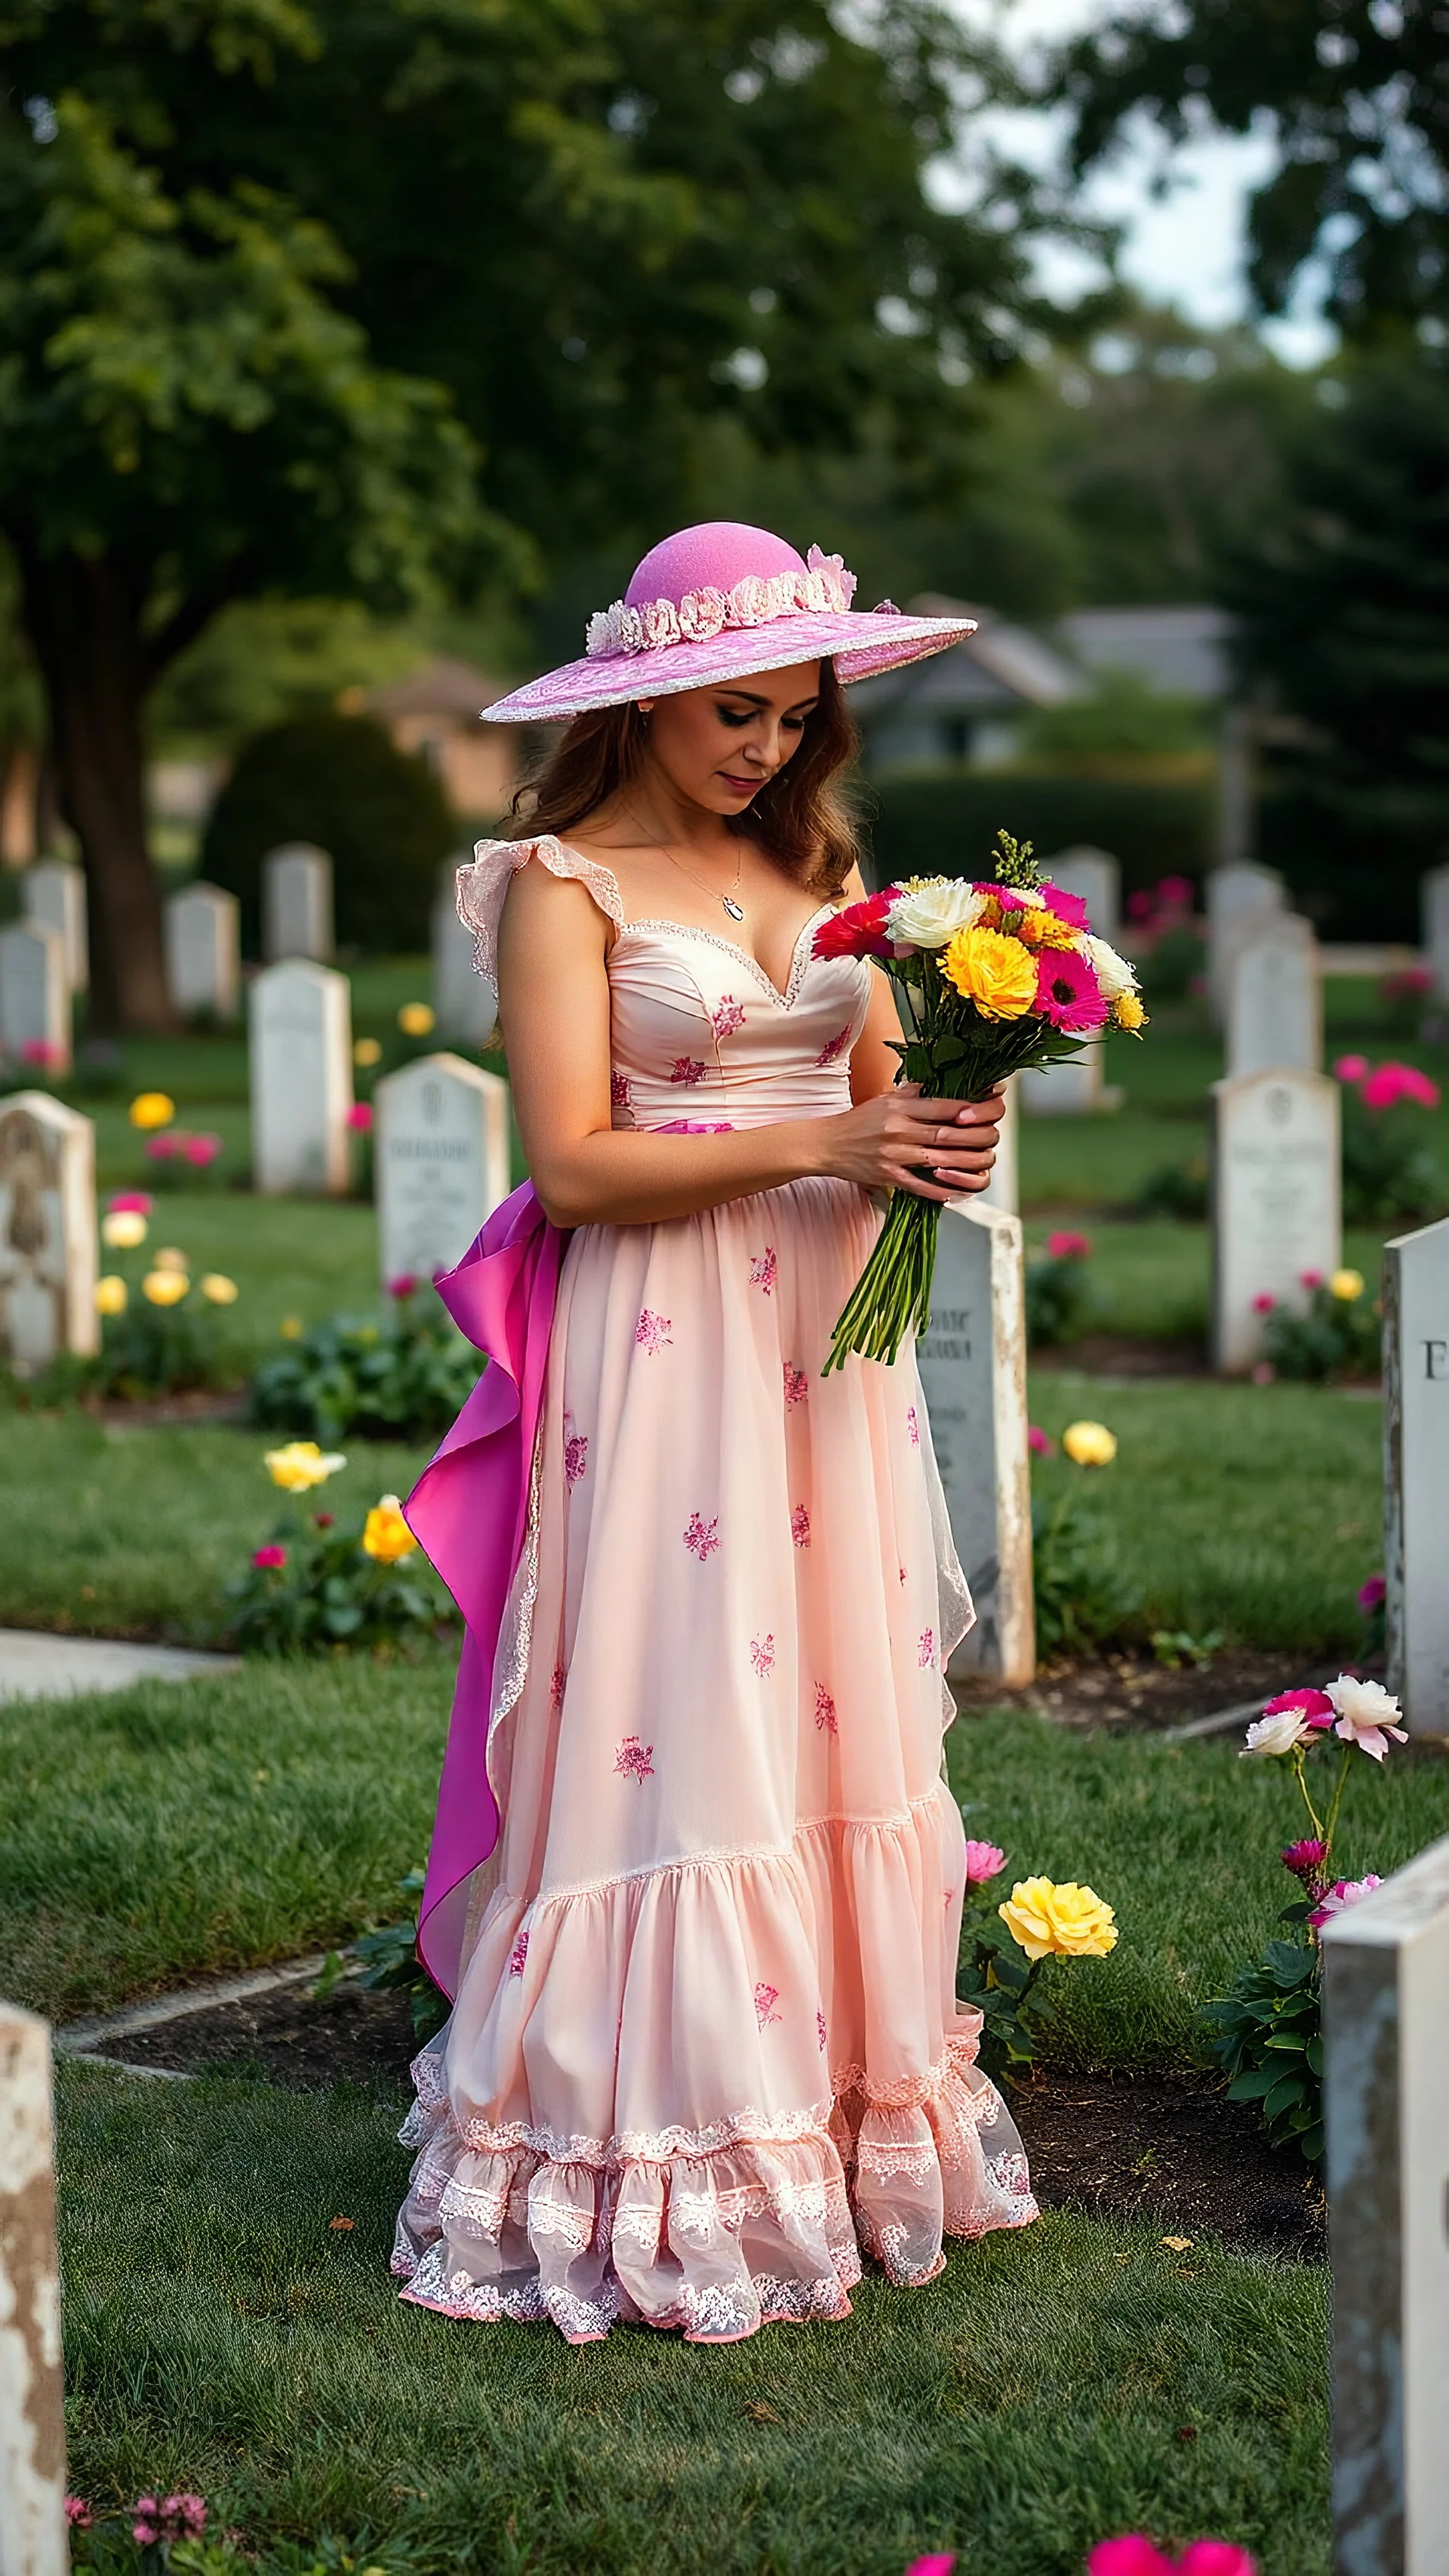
(692, 929)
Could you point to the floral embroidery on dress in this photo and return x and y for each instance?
(576, 1456)
(800, 1526)
(652, 1331)
(901, 1571)
(688, 1070)
(560, 1685)
(618, 1089)
(926, 1650)
(766, 1998)
(762, 1654)
(763, 1269)
(635, 1760)
(727, 1016)
(913, 1426)
(518, 1955)
(797, 1384)
(701, 1537)
(825, 1717)
(834, 1048)
(820, 2031)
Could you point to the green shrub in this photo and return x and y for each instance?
(944, 822)
(405, 1381)
(317, 1583)
(1336, 1337)
(1082, 1601)
(1175, 1190)
(1391, 1172)
(1172, 965)
(1058, 1291)
(337, 781)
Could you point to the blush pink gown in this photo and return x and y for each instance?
(706, 2046)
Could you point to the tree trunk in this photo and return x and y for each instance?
(83, 614)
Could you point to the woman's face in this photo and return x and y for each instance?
(718, 747)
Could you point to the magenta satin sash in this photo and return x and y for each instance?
(469, 1512)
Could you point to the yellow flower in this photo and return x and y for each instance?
(290, 1328)
(123, 1230)
(415, 1019)
(1089, 1444)
(1346, 1284)
(1066, 1922)
(111, 1294)
(994, 972)
(152, 1109)
(217, 1289)
(301, 1465)
(1043, 929)
(165, 1287)
(1129, 1013)
(367, 1051)
(169, 1258)
(387, 1536)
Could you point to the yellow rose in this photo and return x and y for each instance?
(301, 1465)
(152, 1109)
(994, 972)
(367, 1051)
(169, 1258)
(1129, 1013)
(217, 1289)
(165, 1287)
(290, 1328)
(1346, 1284)
(111, 1295)
(123, 1229)
(415, 1019)
(1067, 1922)
(1089, 1444)
(387, 1536)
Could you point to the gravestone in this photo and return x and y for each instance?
(463, 1000)
(203, 950)
(1434, 901)
(1001, 1190)
(1386, 2103)
(54, 891)
(34, 997)
(441, 1159)
(48, 1257)
(1274, 994)
(1416, 1473)
(33, 2537)
(1072, 1090)
(301, 1077)
(1273, 1199)
(1230, 894)
(972, 1365)
(296, 903)
(1096, 877)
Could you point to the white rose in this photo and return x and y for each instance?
(599, 634)
(1367, 1715)
(749, 602)
(933, 913)
(627, 627)
(1269, 1735)
(701, 614)
(661, 625)
(1113, 973)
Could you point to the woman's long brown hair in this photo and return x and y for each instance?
(801, 819)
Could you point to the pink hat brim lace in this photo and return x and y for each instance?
(860, 643)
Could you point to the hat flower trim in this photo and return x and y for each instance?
(823, 589)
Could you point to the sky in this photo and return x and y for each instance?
(1186, 248)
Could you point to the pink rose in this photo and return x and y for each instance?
(1174, 891)
(661, 625)
(1263, 1304)
(1313, 1706)
(269, 1560)
(1067, 1247)
(130, 1203)
(749, 602)
(1350, 1068)
(701, 614)
(403, 1285)
(1310, 1279)
(1370, 1594)
(1343, 1893)
(983, 1861)
(160, 1149)
(1040, 1442)
(201, 1150)
(359, 1117)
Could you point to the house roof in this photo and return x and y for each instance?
(1183, 652)
(442, 686)
(1000, 666)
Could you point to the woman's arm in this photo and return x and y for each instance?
(554, 1011)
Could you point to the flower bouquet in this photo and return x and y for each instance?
(993, 977)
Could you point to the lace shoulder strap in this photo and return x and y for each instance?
(484, 883)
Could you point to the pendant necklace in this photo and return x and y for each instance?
(735, 909)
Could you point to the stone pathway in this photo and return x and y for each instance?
(36, 1665)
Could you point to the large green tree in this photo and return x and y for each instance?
(1356, 96)
(349, 298)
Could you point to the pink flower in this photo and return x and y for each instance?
(701, 1537)
(913, 1426)
(1040, 1442)
(518, 1955)
(1310, 1279)
(1175, 892)
(834, 1047)
(78, 2513)
(1067, 1247)
(202, 1149)
(797, 1385)
(1263, 1304)
(1350, 1068)
(359, 1117)
(766, 1998)
(130, 1203)
(403, 1285)
(727, 1016)
(1304, 1858)
(762, 1655)
(764, 1269)
(635, 1760)
(942, 2563)
(800, 1526)
(1343, 1893)
(983, 1861)
(576, 1456)
(926, 1649)
(1370, 1594)
(146, 2529)
(825, 1717)
(858, 931)
(160, 1149)
(1410, 984)
(652, 1332)
(1067, 907)
(821, 2036)
(1313, 1706)
(619, 1090)
(269, 1558)
(1139, 906)
(189, 2511)
(1262, 1372)
(1067, 993)
(1135, 2555)
(689, 1071)
(41, 1051)
(1392, 1082)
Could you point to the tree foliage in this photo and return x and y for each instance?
(1357, 96)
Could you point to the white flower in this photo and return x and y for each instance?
(598, 635)
(1113, 973)
(930, 914)
(661, 625)
(1366, 1714)
(1280, 1734)
(627, 628)
(749, 601)
(701, 613)
(839, 584)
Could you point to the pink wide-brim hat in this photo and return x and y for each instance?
(715, 603)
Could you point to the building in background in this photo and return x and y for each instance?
(437, 711)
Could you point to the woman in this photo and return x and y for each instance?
(705, 2043)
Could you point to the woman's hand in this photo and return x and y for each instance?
(939, 1149)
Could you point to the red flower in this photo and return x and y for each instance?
(402, 1286)
(78, 2513)
(130, 1203)
(1391, 1082)
(323, 1520)
(359, 1117)
(269, 1558)
(1067, 993)
(1263, 1304)
(858, 931)
(1040, 1442)
(1305, 1859)
(1371, 1593)
(1316, 1706)
(1067, 1247)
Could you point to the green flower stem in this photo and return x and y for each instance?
(1345, 1758)
(1313, 1816)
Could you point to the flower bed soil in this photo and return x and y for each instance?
(1135, 1691)
(1167, 2148)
